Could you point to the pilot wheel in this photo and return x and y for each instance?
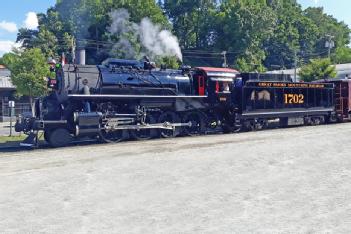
(58, 137)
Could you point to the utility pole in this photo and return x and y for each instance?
(63, 59)
(12, 113)
(225, 63)
(97, 39)
(73, 50)
(329, 44)
(295, 66)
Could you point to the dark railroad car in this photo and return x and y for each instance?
(342, 96)
(293, 103)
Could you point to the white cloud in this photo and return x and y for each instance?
(6, 46)
(31, 21)
(316, 1)
(8, 26)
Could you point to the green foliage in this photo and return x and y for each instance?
(328, 25)
(246, 25)
(170, 62)
(243, 65)
(260, 32)
(258, 35)
(317, 69)
(192, 21)
(27, 37)
(293, 34)
(87, 22)
(9, 60)
(28, 72)
(342, 55)
(52, 38)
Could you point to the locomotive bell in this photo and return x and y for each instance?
(148, 65)
(185, 69)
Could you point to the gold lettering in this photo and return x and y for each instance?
(294, 98)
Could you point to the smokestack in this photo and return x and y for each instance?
(80, 56)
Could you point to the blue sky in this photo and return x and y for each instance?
(340, 9)
(15, 14)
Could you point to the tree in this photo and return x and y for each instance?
(193, 21)
(242, 27)
(170, 62)
(9, 60)
(28, 72)
(327, 26)
(256, 34)
(293, 37)
(51, 36)
(317, 69)
(27, 37)
(88, 22)
(342, 55)
(243, 65)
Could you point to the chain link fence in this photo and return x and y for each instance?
(19, 109)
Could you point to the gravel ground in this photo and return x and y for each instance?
(288, 181)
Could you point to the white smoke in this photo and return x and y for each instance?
(126, 32)
(124, 49)
(120, 22)
(154, 40)
(159, 42)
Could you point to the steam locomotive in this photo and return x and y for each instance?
(133, 99)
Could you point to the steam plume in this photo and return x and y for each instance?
(154, 41)
(157, 41)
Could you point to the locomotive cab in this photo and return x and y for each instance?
(216, 83)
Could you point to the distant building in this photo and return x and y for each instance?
(7, 93)
(343, 70)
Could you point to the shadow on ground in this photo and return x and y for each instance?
(14, 146)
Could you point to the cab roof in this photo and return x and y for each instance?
(218, 71)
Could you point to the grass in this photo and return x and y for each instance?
(13, 141)
(4, 139)
(9, 142)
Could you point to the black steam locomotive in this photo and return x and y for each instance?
(133, 99)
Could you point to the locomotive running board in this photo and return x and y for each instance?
(167, 126)
(274, 113)
(129, 96)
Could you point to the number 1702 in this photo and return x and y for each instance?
(294, 98)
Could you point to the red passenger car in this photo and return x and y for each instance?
(342, 98)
